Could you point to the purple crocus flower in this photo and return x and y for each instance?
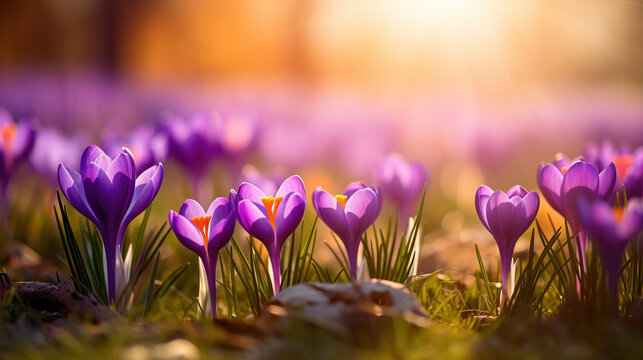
(358, 185)
(146, 146)
(563, 183)
(108, 193)
(205, 233)
(349, 215)
(402, 182)
(506, 216)
(195, 144)
(611, 230)
(602, 155)
(271, 219)
(629, 166)
(16, 143)
(629, 169)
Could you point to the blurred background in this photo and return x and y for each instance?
(477, 91)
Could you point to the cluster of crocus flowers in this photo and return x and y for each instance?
(611, 230)
(16, 143)
(272, 218)
(205, 233)
(506, 216)
(108, 192)
(349, 215)
(565, 182)
(402, 182)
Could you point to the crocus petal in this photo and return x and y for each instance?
(72, 187)
(122, 174)
(500, 215)
(191, 209)
(634, 179)
(380, 197)
(520, 221)
(122, 163)
(222, 222)
(234, 199)
(289, 215)
(572, 199)
(532, 203)
(292, 184)
(607, 180)
(482, 197)
(217, 207)
(250, 192)
(331, 213)
(353, 187)
(123, 186)
(550, 180)
(357, 185)
(187, 233)
(98, 192)
(580, 174)
(147, 186)
(255, 222)
(361, 211)
(91, 154)
(580, 181)
(516, 190)
(153, 175)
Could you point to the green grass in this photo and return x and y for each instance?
(546, 317)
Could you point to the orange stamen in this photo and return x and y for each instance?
(272, 204)
(341, 199)
(203, 224)
(622, 164)
(618, 213)
(8, 131)
(563, 170)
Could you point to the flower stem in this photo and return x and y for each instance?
(612, 287)
(276, 272)
(211, 275)
(352, 260)
(110, 259)
(5, 206)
